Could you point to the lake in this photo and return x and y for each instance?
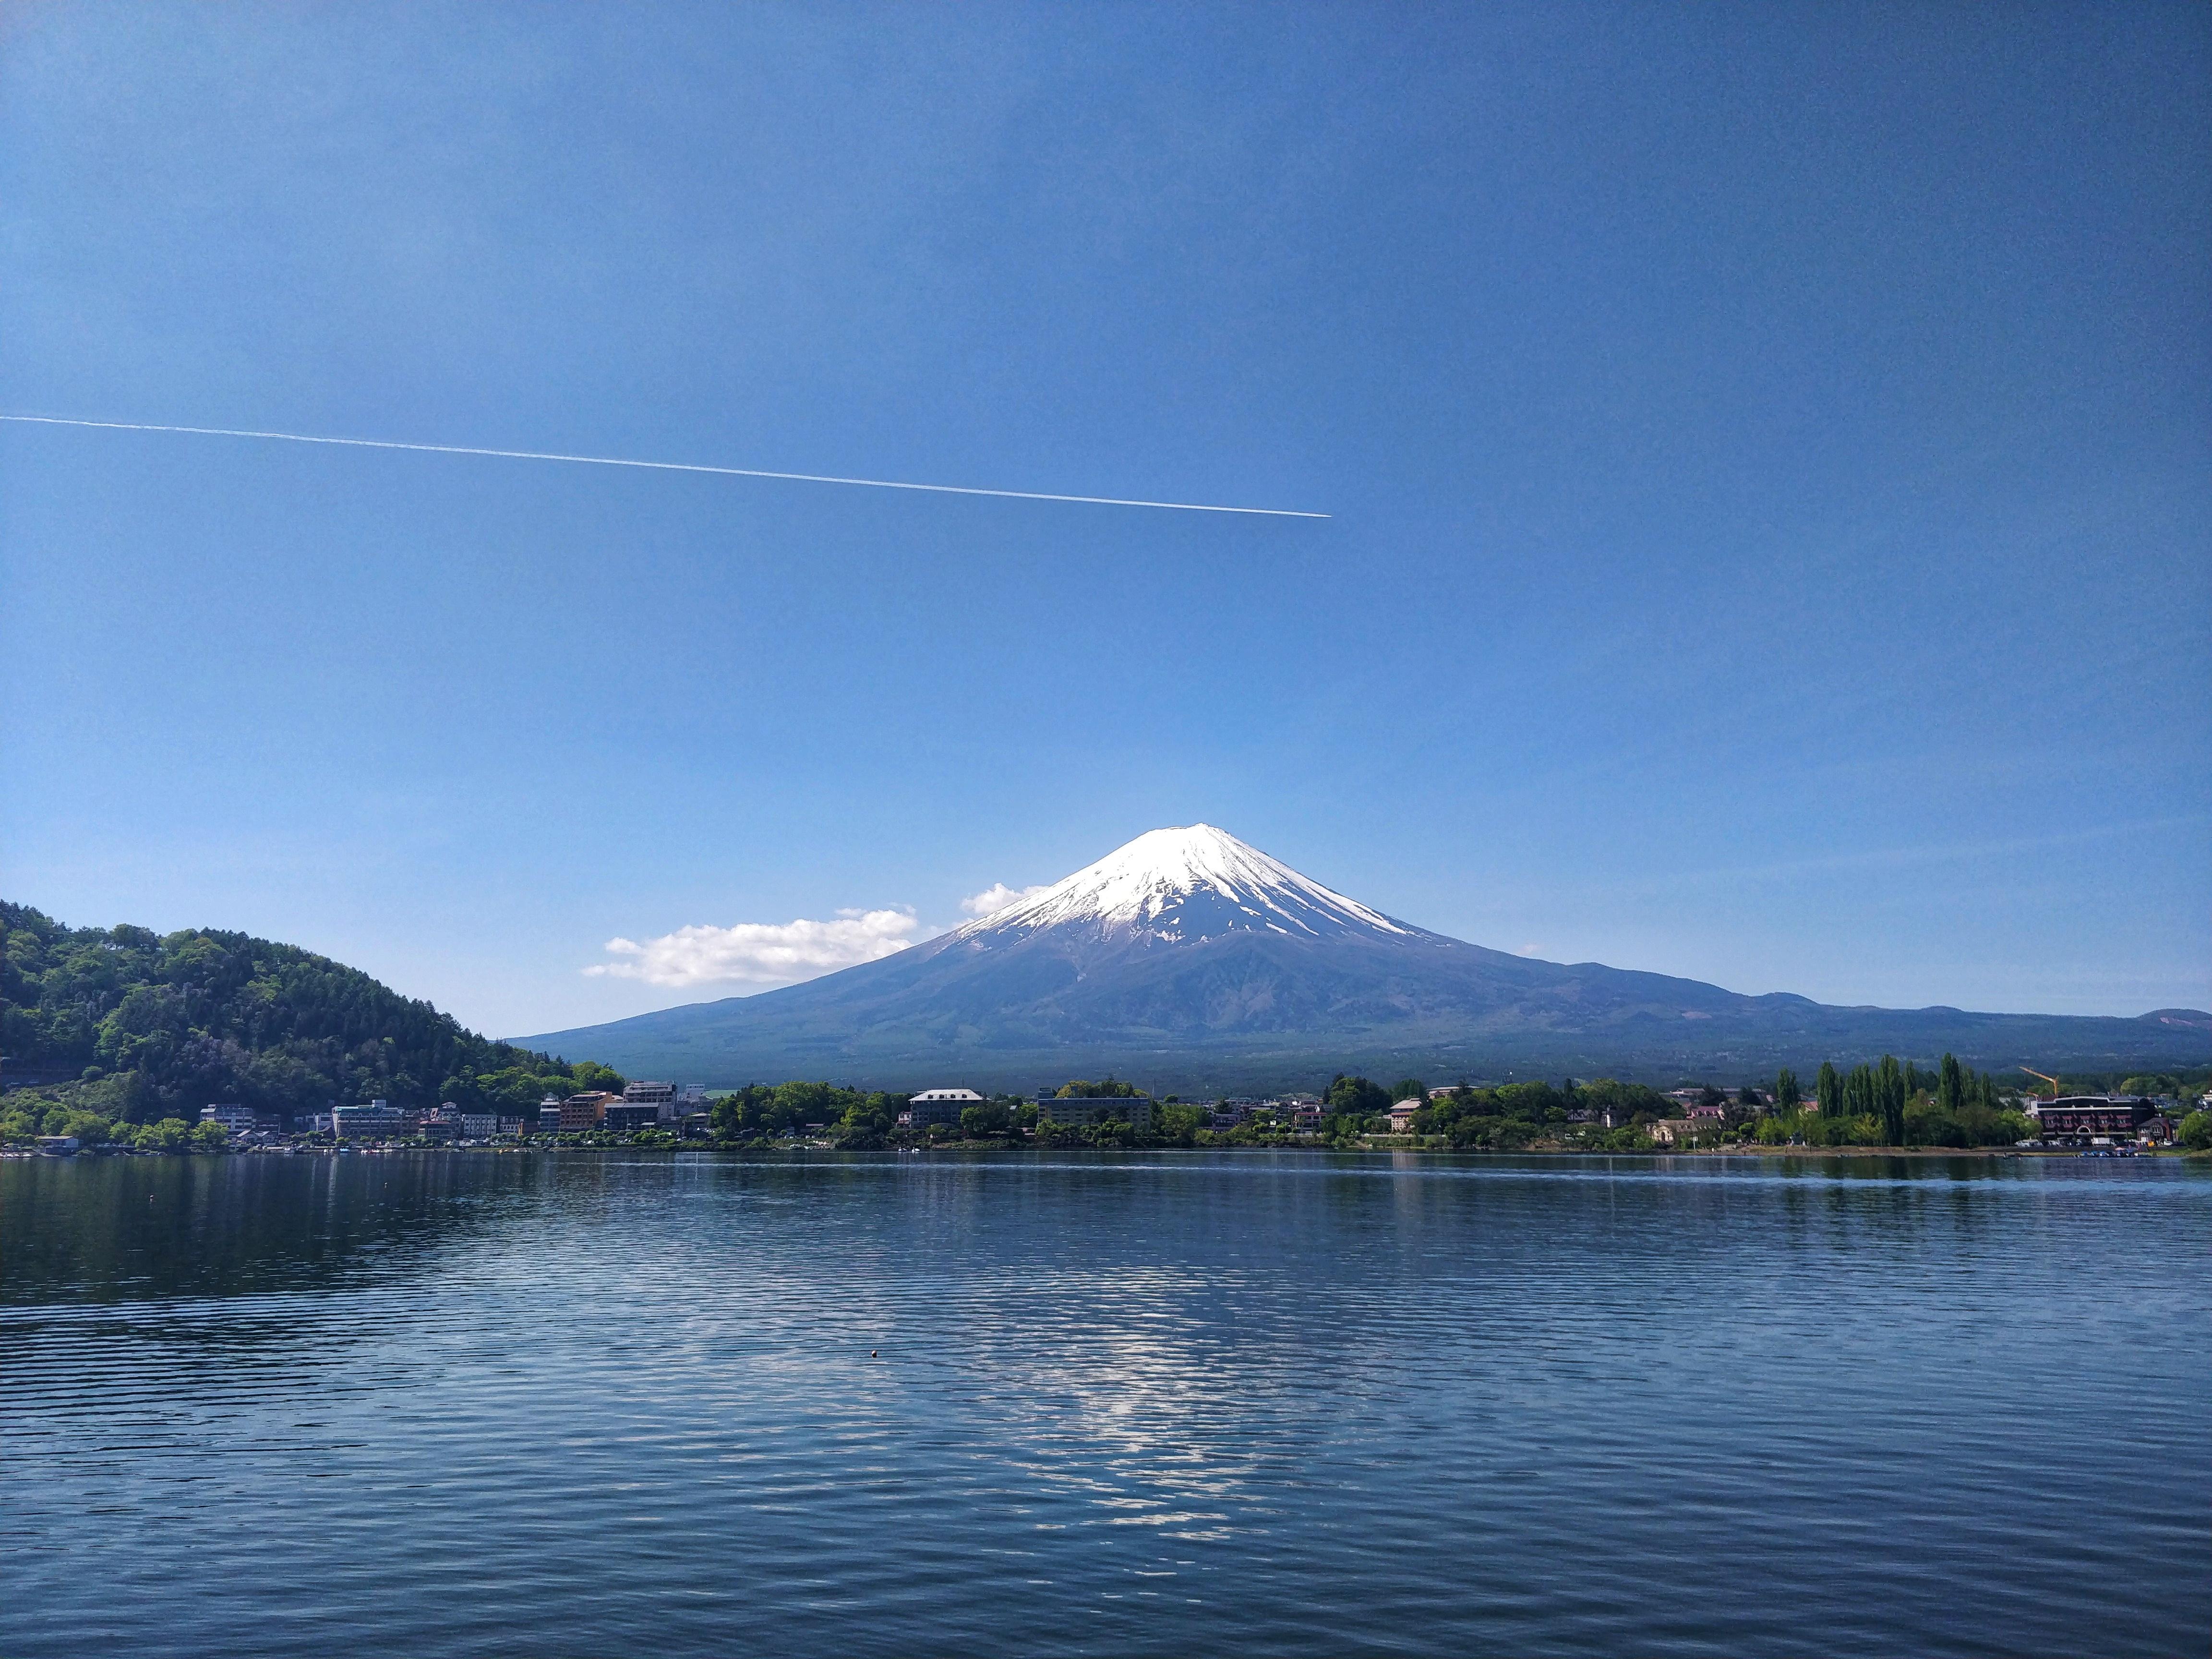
(456, 1404)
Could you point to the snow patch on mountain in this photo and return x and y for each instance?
(1193, 882)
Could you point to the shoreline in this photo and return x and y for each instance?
(975, 1148)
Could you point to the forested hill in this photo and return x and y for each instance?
(146, 1027)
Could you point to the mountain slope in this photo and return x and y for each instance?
(143, 1026)
(1193, 960)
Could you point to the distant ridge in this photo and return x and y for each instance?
(1192, 960)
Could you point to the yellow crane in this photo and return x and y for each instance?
(2053, 1081)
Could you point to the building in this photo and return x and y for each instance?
(235, 1120)
(623, 1117)
(1283, 1108)
(661, 1096)
(2074, 1118)
(1136, 1111)
(377, 1119)
(940, 1106)
(1672, 1131)
(549, 1116)
(1401, 1115)
(585, 1111)
(480, 1126)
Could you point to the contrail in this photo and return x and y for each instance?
(658, 467)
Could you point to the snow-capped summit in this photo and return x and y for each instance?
(1185, 885)
(1212, 966)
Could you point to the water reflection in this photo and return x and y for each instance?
(89, 1229)
(1303, 1404)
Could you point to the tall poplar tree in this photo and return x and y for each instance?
(1859, 1092)
(1951, 1090)
(1787, 1097)
(1828, 1091)
(1889, 1084)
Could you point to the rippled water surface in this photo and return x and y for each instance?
(470, 1404)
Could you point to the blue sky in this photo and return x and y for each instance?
(1767, 450)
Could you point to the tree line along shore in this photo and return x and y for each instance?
(1889, 1106)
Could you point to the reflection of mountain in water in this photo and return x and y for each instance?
(1305, 1403)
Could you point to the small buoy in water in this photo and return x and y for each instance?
(871, 1353)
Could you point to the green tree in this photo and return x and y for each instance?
(1408, 1088)
(1354, 1098)
(1828, 1092)
(1950, 1090)
(592, 1078)
(1859, 1091)
(1106, 1088)
(984, 1121)
(1890, 1094)
(2156, 1083)
(1787, 1097)
(1623, 1102)
(2195, 1131)
(170, 1134)
(1179, 1124)
(726, 1118)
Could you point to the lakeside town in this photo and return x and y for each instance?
(1873, 1109)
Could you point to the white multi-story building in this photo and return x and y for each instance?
(378, 1117)
(235, 1120)
(661, 1096)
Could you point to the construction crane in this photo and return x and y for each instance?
(2053, 1081)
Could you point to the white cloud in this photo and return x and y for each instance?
(761, 952)
(997, 896)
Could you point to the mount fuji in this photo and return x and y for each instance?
(1194, 961)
